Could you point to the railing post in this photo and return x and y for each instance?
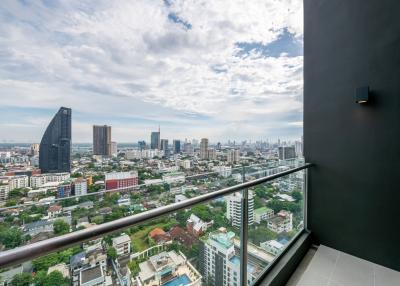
(243, 238)
(305, 198)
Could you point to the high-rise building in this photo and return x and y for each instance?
(188, 148)
(102, 140)
(121, 180)
(234, 208)
(55, 147)
(64, 190)
(203, 148)
(287, 152)
(298, 146)
(155, 142)
(219, 263)
(177, 146)
(164, 147)
(233, 156)
(35, 149)
(79, 187)
(164, 144)
(211, 154)
(114, 149)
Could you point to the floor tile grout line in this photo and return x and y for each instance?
(373, 267)
(334, 267)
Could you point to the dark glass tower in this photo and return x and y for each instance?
(102, 140)
(55, 147)
(155, 142)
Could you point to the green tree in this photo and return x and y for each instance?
(22, 279)
(298, 196)
(44, 262)
(133, 267)
(112, 252)
(39, 278)
(11, 237)
(60, 227)
(11, 203)
(55, 278)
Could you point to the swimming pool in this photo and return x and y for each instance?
(178, 281)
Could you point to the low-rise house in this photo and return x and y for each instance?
(122, 244)
(155, 232)
(263, 214)
(272, 246)
(54, 211)
(196, 226)
(88, 268)
(92, 276)
(179, 234)
(282, 222)
(105, 211)
(37, 227)
(124, 202)
(180, 198)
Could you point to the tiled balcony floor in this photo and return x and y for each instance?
(329, 267)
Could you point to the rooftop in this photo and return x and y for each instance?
(262, 210)
(90, 274)
(225, 239)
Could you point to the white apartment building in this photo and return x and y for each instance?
(122, 244)
(186, 164)
(16, 182)
(37, 181)
(220, 265)
(234, 208)
(211, 154)
(223, 171)
(80, 187)
(4, 189)
(233, 156)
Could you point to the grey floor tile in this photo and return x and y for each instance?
(312, 279)
(323, 261)
(386, 277)
(353, 271)
(295, 278)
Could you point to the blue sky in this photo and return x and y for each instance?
(217, 69)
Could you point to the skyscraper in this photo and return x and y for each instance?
(203, 148)
(177, 146)
(155, 142)
(102, 140)
(55, 147)
(164, 147)
(287, 152)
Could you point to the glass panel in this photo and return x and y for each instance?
(277, 212)
(196, 245)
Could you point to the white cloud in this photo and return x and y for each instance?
(127, 59)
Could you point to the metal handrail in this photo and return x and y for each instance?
(31, 251)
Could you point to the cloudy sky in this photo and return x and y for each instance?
(220, 69)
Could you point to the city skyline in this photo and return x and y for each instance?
(223, 77)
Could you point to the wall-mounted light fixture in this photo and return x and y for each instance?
(362, 94)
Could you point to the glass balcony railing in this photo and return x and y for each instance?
(223, 227)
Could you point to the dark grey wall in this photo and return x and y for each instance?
(354, 189)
